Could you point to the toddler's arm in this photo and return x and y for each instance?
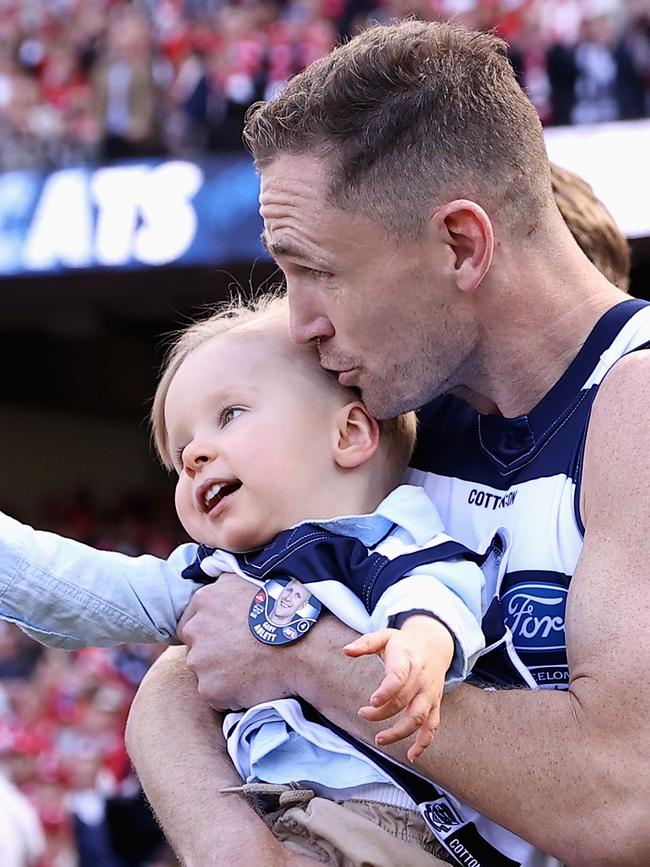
(66, 594)
(416, 657)
(429, 652)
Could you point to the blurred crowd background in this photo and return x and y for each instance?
(98, 81)
(89, 80)
(62, 717)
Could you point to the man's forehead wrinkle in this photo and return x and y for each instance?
(284, 195)
(300, 222)
(276, 207)
(290, 236)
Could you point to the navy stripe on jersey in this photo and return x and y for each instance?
(492, 624)
(577, 474)
(393, 570)
(495, 667)
(439, 451)
(311, 554)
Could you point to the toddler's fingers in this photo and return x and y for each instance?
(414, 717)
(399, 700)
(425, 735)
(395, 685)
(385, 711)
(372, 642)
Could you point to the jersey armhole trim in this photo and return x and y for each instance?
(581, 454)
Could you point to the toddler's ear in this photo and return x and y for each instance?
(357, 436)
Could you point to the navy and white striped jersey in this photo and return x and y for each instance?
(369, 568)
(524, 473)
(365, 569)
(484, 472)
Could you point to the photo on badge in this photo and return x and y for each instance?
(282, 611)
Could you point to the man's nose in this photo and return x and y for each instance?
(306, 328)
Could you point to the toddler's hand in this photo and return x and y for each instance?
(416, 659)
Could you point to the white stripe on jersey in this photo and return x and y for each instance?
(552, 546)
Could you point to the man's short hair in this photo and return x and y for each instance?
(411, 115)
(256, 316)
(592, 226)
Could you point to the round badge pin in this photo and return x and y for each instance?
(282, 611)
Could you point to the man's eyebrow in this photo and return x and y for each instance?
(279, 249)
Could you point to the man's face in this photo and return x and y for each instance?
(385, 314)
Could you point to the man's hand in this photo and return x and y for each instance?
(416, 660)
(233, 669)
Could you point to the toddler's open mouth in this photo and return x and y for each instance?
(212, 493)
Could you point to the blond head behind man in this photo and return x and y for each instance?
(592, 226)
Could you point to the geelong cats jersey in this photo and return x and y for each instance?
(484, 472)
(524, 473)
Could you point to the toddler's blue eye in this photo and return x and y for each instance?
(230, 414)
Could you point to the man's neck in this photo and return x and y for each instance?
(526, 347)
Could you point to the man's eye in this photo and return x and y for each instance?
(313, 272)
(319, 275)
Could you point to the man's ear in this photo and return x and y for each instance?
(467, 229)
(356, 436)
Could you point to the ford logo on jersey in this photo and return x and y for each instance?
(534, 613)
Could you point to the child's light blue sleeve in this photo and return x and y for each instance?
(453, 591)
(66, 594)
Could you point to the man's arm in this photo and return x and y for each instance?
(171, 728)
(66, 594)
(568, 771)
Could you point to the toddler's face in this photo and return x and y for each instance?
(251, 423)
